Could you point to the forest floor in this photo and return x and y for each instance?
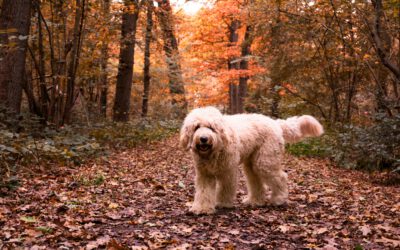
(139, 199)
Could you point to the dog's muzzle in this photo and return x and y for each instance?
(203, 147)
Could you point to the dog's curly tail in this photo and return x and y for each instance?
(299, 127)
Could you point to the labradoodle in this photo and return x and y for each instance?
(220, 143)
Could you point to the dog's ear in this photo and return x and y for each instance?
(221, 129)
(186, 134)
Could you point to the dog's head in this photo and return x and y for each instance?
(204, 131)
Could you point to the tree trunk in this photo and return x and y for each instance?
(74, 59)
(379, 45)
(15, 20)
(126, 61)
(233, 88)
(176, 84)
(44, 97)
(276, 74)
(244, 65)
(146, 68)
(276, 99)
(103, 64)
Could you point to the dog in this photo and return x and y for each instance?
(219, 144)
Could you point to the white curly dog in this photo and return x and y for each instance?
(220, 143)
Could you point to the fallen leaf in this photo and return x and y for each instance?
(284, 228)
(181, 185)
(365, 230)
(321, 230)
(113, 205)
(28, 219)
(387, 241)
(234, 232)
(101, 241)
(115, 245)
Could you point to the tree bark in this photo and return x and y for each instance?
(176, 84)
(103, 64)
(74, 59)
(233, 88)
(378, 43)
(44, 97)
(146, 68)
(126, 61)
(276, 41)
(15, 20)
(244, 65)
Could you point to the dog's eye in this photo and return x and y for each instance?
(197, 127)
(211, 128)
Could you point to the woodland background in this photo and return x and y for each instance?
(78, 78)
(93, 93)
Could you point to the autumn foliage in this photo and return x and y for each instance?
(93, 92)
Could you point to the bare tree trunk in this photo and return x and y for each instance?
(353, 74)
(33, 106)
(15, 20)
(176, 84)
(126, 61)
(276, 38)
(103, 64)
(379, 45)
(146, 69)
(74, 59)
(233, 88)
(58, 54)
(244, 65)
(44, 97)
(276, 99)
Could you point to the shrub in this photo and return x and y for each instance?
(33, 143)
(312, 147)
(372, 148)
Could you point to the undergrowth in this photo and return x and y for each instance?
(374, 147)
(310, 147)
(33, 144)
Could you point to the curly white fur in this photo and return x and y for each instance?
(220, 143)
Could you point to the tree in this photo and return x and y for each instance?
(103, 62)
(126, 60)
(76, 46)
(377, 31)
(146, 68)
(233, 64)
(244, 66)
(176, 84)
(15, 20)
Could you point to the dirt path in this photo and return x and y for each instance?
(139, 199)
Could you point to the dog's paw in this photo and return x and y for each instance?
(278, 200)
(253, 202)
(201, 210)
(224, 204)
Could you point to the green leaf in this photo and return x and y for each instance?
(28, 219)
(358, 247)
(44, 229)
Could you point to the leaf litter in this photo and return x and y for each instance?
(138, 199)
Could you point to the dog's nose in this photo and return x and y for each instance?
(203, 139)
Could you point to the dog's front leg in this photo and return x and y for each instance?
(226, 188)
(205, 197)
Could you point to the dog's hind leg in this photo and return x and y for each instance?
(205, 197)
(277, 181)
(226, 188)
(256, 195)
(267, 167)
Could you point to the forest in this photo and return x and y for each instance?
(93, 94)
